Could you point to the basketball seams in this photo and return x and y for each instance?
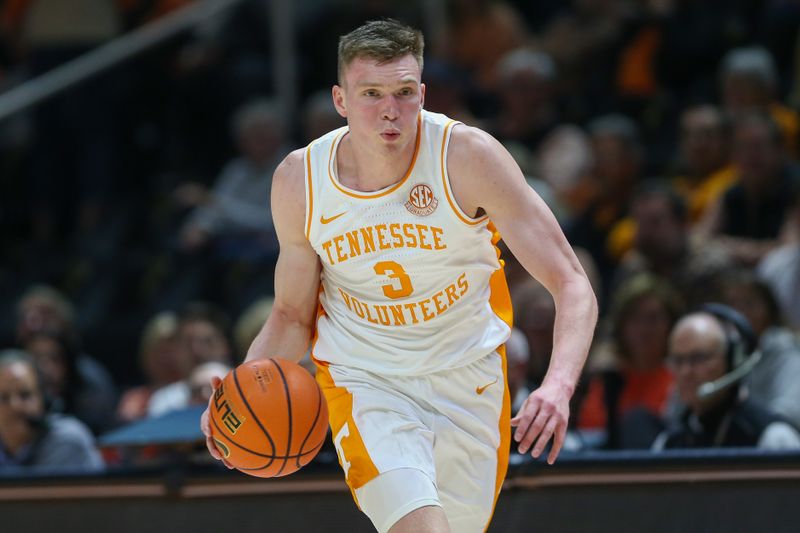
(270, 418)
(313, 425)
(232, 442)
(311, 452)
(250, 409)
(289, 412)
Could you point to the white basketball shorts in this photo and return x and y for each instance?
(412, 441)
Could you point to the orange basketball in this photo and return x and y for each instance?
(268, 418)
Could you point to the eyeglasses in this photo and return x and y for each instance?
(694, 360)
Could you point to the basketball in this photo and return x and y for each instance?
(268, 418)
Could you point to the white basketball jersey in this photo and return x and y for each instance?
(410, 284)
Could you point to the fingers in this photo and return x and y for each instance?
(212, 449)
(517, 419)
(205, 426)
(524, 417)
(558, 442)
(533, 431)
(544, 436)
(216, 381)
(537, 423)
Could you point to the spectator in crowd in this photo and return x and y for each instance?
(703, 348)
(694, 37)
(780, 269)
(628, 373)
(235, 213)
(753, 216)
(750, 81)
(775, 381)
(526, 90)
(203, 337)
(57, 357)
(618, 156)
(587, 64)
(564, 159)
(446, 92)
(662, 245)
(227, 242)
(30, 437)
(705, 169)
(73, 167)
(479, 33)
(199, 381)
(43, 307)
(91, 392)
(159, 359)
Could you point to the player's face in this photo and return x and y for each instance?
(381, 101)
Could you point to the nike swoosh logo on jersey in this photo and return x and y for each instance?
(324, 220)
(480, 390)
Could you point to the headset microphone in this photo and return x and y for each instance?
(741, 341)
(712, 387)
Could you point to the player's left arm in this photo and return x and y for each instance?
(484, 176)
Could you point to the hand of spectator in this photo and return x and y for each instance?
(205, 426)
(543, 416)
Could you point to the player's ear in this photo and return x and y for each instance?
(421, 95)
(339, 101)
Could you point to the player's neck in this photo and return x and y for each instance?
(362, 168)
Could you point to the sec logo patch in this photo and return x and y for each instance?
(421, 200)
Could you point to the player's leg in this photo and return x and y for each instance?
(385, 447)
(403, 500)
(473, 438)
(425, 519)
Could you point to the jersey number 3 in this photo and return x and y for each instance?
(398, 275)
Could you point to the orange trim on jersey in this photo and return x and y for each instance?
(499, 296)
(391, 189)
(340, 412)
(320, 313)
(453, 205)
(504, 425)
(500, 301)
(309, 193)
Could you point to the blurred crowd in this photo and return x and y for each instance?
(138, 250)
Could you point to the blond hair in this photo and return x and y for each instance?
(382, 41)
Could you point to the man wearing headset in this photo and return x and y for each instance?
(29, 436)
(710, 351)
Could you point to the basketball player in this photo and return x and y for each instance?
(388, 258)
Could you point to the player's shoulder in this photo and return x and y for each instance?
(289, 175)
(292, 165)
(472, 148)
(471, 142)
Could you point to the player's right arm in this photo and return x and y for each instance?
(287, 331)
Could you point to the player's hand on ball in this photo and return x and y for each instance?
(205, 426)
(543, 416)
